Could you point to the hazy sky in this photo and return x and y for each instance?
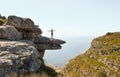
(68, 17)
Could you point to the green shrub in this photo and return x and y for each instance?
(2, 20)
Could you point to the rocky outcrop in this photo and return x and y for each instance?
(9, 32)
(29, 31)
(18, 56)
(47, 43)
(46, 40)
(102, 59)
(25, 26)
(22, 46)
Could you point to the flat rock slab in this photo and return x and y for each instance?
(48, 43)
(46, 40)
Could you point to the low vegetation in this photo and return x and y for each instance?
(47, 70)
(2, 20)
(101, 60)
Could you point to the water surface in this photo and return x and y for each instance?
(73, 47)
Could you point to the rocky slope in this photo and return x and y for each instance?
(102, 59)
(22, 46)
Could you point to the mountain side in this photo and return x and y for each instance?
(102, 59)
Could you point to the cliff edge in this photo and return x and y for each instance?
(22, 46)
(102, 59)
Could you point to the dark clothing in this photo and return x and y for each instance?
(52, 32)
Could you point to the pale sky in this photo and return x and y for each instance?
(67, 17)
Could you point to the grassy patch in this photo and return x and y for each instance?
(101, 60)
(2, 21)
(83, 66)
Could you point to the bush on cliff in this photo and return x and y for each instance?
(2, 20)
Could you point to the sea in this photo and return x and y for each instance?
(73, 47)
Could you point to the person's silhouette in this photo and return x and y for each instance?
(51, 32)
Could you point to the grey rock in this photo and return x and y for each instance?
(19, 56)
(22, 47)
(47, 46)
(9, 32)
(47, 43)
(46, 40)
(25, 24)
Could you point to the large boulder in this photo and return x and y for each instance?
(18, 56)
(24, 24)
(9, 32)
